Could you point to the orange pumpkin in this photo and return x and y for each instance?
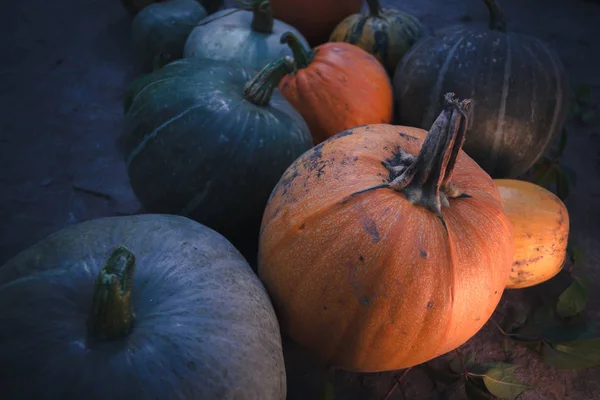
(337, 86)
(315, 19)
(377, 259)
(540, 223)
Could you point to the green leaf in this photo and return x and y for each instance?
(445, 376)
(577, 254)
(570, 173)
(576, 329)
(563, 142)
(456, 365)
(473, 392)
(589, 115)
(543, 317)
(572, 301)
(582, 92)
(563, 184)
(578, 354)
(575, 109)
(503, 383)
(329, 392)
(544, 173)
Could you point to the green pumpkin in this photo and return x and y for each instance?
(137, 307)
(205, 139)
(385, 33)
(160, 30)
(249, 37)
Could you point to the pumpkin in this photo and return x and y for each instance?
(248, 37)
(386, 246)
(206, 140)
(540, 224)
(134, 6)
(137, 307)
(386, 33)
(161, 29)
(337, 86)
(316, 19)
(518, 85)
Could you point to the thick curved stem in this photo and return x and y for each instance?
(262, 16)
(259, 89)
(302, 56)
(374, 8)
(111, 316)
(497, 18)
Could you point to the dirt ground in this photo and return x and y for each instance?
(63, 69)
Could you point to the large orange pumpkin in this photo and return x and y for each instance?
(315, 19)
(540, 224)
(377, 259)
(337, 86)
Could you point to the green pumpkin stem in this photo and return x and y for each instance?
(111, 315)
(497, 18)
(374, 8)
(302, 56)
(262, 16)
(259, 89)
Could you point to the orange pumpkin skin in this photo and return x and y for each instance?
(371, 282)
(315, 19)
(341, 88)
(540, 224)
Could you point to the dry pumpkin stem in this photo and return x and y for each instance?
(262, 16)
(111, 316)
(497, 18)
(425, 179)
(259, 89)
(302, 56)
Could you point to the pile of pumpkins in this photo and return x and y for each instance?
(302, 167)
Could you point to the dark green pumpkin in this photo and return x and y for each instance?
(137, 307)
(201, 143)
(386, 33)
(160, 30)
(519, 87)
(134, 6)
(249, 37)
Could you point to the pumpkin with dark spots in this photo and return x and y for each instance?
(385, 33)
(325, 84)
(519, 86)
(209, 140)
(540, 224)
(429, 249)
(137, 307)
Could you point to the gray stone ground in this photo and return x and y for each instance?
(64, 65)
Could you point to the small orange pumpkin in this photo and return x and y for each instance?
(315, 19)
(337, 86)
(540, 223)
(377, 258)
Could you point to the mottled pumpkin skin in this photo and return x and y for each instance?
(195, 300)
(540, 223)
(162, 29)
(388, 36)
(229, 37)
(371, 282)
(342, 87)
(518, 85)
(316, 19)
(195, 147)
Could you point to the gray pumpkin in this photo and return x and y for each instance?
(159, 31)
(518, 85)
(192, 322)
(249, 37)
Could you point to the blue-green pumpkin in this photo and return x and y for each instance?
(209, 140)
(137, 307)
(159, 31)
(251, 37)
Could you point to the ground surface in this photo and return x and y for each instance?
(63, 69)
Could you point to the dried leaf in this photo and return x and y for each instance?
(572, 301)
(503, 383)
(572, 355)
(473, 392)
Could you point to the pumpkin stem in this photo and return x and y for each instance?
(111, 315)
(425, 179)
(497, 18)
(374, 8)
(302, 56)
(259, 89)
(262, 16)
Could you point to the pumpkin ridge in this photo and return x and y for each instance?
(499, 133)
